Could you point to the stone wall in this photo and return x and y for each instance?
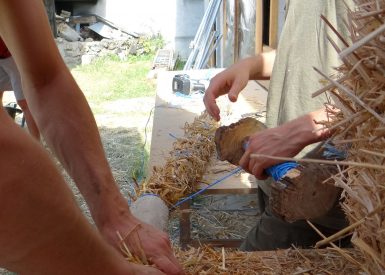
(84, 52)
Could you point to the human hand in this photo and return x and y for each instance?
(144, 241)
(231, 81)
(286, 140)
(143, 270)
(272, 142)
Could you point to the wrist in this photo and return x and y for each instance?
(306, 130)
(109, 205)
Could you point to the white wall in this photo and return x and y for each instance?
(176, 20)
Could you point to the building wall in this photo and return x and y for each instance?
(176, 20)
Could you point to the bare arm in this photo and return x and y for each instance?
(232, 80)
(68, 126)
(42, 230)
(286, 140)
(57, 103)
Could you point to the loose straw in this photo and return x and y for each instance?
(362, 41)
(322, 161)
(347, 229)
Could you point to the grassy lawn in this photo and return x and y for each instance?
(109, 79)
(121, 97)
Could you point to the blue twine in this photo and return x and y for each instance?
(332, 152)
(172, 135)
(238, 169)
(278, 171)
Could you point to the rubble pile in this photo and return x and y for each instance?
(81, 39)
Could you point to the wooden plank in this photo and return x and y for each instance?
(236, 31)
(185, 225)
(228, 243)
(273, 24)
(88, 19)
(258, 26)
(224, 25)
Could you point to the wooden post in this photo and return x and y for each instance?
(224, 32)
(273, 24)
(50, 8)
(258, 26)
(236, 31)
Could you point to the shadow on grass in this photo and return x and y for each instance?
(127, 155)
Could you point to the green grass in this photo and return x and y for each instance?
(109, 79)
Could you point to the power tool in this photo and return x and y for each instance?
(182, 83)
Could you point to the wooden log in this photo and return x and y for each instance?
(229, 140)
(301, 194)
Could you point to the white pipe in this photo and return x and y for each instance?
(152, 210)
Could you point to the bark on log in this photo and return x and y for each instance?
(302, 193)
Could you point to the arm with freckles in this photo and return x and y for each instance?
(286, 140)
(68, 126)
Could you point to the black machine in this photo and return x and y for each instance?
(183, 84)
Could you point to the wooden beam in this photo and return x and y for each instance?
(228, 243)
(236, 30)
(185, 225)
(224, 17)
(273, 24)
(258, 26)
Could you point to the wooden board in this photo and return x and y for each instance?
(172, 112)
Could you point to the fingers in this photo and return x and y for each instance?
(237, 86)
(168, 264)
(211, 106)
(159, 250)
(167, 261)
(255, 166)
(144, 270)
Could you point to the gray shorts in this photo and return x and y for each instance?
(10, 79)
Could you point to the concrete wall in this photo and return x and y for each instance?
(176, 20)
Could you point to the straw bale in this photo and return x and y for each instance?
(358, 90)
(186, 163)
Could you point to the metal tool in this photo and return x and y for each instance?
(182, 83)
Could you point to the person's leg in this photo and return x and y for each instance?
(272, 233)
(42, 230)
(31, 124)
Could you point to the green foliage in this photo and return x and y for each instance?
(179, 64)
(149, 45)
